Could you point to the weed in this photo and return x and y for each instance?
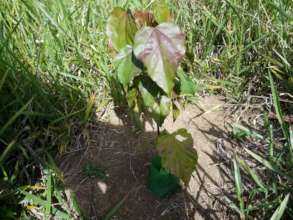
(267, 188)
(231, 44)
(149, 49)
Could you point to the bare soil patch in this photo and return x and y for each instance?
(125, 156)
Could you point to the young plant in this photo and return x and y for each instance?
(148, 50)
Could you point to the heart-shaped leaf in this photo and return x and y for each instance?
(177, 153)
(126, 67)
(121, 28)
(160, 49)
(187, 86)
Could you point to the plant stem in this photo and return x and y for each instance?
(158, 129)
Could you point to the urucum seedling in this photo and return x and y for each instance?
(148, 50)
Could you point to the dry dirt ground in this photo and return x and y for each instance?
(124, 156)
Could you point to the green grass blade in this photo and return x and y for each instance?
(14, 117)
(280, 210)
(263, 161)
(252, 173)
(115, 209)
(3, 80)
(271, 141)
(6, 151)
(238, 186)
(277, 106)
(291, 137)
(74, 203)
(49, 195)
(49, 17)
(232, 205)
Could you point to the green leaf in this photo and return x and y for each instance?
(160, 181)
(126, 67)
(280, 210)
(148, 99)
(32, 199)
(161, 11)
(165, 106)
(121, 28)
(175, 111)
(160, 49)
(187, 86)
(240, 132)
(160, 107)
(134, 107)
(131, 98)
(177, 153)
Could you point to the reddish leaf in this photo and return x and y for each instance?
(144, 18)
(160, 49)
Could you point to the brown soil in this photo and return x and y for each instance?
(125, 156)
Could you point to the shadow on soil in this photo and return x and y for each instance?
(109, 164)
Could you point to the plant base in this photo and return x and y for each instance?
(161, 182)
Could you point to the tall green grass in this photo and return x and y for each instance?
(52, 74)
(232, 44)
(263, 174)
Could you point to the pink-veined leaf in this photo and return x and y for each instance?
(160, 49)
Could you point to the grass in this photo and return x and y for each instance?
(266, 171)
(55, 73)
(50, 84)
(233, 44)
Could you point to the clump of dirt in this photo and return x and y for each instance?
(124, 158)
